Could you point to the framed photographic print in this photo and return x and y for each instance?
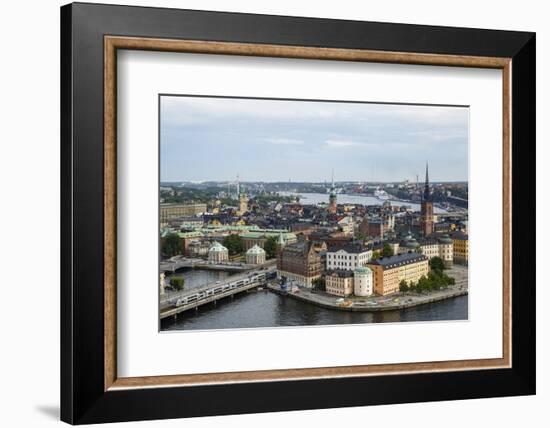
(275, 213)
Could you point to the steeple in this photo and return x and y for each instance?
(426, 195)
(332, 196)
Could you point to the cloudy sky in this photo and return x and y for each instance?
(277, 140)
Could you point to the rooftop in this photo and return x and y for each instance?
(255, 250)
(459, 235)
(340, 273)
(217, 247)
(399, 260)
(351, 248)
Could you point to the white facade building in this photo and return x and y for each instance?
(348, 257)
(255, 255)
(218, 253)
(363, 282)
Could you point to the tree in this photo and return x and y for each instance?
(319, 284)
(234, 244)
(171, 245)
(270, 247)
(375, 255)
(436, 263)
(387, 251)
(177, 282)
(403, 287)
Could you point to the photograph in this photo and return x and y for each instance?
(286, 212)
(269, 209)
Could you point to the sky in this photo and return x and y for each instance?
(214, 139)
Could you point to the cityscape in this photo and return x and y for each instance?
(247, 252)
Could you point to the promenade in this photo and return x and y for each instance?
(381, 303)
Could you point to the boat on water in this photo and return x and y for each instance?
(381, 194)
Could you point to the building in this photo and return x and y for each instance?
(348, 256)
(260, 236)
(243, 204)
(198, 248)
(446, 250)
(185, 237)
(431, 246)
(346, 225)
(301, 262)
(427, 209)
(305, 228)
(363, 282)
(186, 223)
(332, 206)
(460, 248)
(339, 282)
(172, 211)
(408, 245)
(255, 256)
(218, 253)
(388, 272)
(377, 227)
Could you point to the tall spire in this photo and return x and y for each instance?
(238, 186)
(427, 180)
(427, 185)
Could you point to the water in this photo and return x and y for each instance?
(267, 309)
(195, 278)
(317, 198)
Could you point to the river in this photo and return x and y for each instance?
(266, 309)
(317, 198)
(195, 278)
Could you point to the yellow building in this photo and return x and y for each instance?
(460, 248)
(339, 282)
(243, 204)
(170, 211)
(388, 272)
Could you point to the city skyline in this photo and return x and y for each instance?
(210, 139)
(323, 182)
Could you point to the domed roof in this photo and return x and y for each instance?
(363, 269)
(216, 248)
(256, 250)
(409, 242)
(445, 239)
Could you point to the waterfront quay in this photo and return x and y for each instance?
(174, 303)
(378, 303)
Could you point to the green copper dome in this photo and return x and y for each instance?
(217, 248)
(256, 250)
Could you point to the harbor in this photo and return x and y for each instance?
(266, 304)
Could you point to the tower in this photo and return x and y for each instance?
(427, 209)
(243, 199)
(280, 247)
(243, 203)
(332, 197)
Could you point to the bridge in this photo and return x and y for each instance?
(175, 263)
(175, 303)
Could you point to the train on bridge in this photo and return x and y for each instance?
(222, 288)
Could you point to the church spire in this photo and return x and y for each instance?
(427, 186)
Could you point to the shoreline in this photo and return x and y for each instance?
(325, 302)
